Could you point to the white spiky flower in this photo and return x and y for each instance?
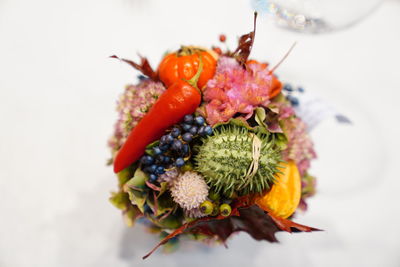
(189, 190)
(194, 213)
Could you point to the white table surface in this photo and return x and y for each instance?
(57, 98)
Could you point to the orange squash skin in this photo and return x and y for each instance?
(284, 197)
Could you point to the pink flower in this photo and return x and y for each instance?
(234, 90)
(299, 147)
(133, 104)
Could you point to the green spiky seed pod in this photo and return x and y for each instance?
(224, 160)
(225, 210)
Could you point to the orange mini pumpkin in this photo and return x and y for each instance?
(284, 197)
(184, 63)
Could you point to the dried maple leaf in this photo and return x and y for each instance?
(144, 67)
(242, 52)
(251, 219)
(290, 226)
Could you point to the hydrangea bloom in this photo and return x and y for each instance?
(308, 184)
(300, 147)
(234, 89)
(133, 104)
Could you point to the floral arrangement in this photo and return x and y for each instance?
(208, 145)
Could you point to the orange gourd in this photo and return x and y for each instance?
(284, 196)
(184, 63)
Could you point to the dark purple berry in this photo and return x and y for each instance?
(169, 138)
(142, 77)
(162, 139)
(160, 170)
(157, 150)
(164, 147)
(300, 89)
(159, 159)
(175, 132)
(199, 120)
(201, 131)
(152, 168)
(166, 160)
(187, 137)
(288, 87)
(185, 149)
(293, 100)
(208, 130)
(177, 145)
(179, 162)
(188, 119)
(153, 178)
(186, 127)
(147, 160)
(193, 130)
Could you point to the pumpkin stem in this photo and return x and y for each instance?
(185, 51)
(193, 81)
(188, 51)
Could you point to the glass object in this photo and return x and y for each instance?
(316, 16)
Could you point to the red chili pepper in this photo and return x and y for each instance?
(180, 99)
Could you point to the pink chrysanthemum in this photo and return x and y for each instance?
(234, 90)
(133, 104)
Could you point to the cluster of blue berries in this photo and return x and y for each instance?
(290, 90)
(173, 148)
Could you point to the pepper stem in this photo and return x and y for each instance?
(193, 81)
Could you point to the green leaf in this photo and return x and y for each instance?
(164, 187)
(261, 130)
(171, 222)
(280, 98)
(164, 204)
(138, 181)
(149, 147)
(120, 200)
(273, 108)
(131, 214)
(237, 122)
(137, 198)
(126, 174)
(280, 140)
(134, 187)
(260, 116)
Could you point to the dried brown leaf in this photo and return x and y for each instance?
(245, 45)
(144, 67)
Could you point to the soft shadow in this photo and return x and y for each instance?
(136, 242)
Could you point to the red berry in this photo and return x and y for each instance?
(217, 50)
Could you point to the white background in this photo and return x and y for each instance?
(57, 98)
